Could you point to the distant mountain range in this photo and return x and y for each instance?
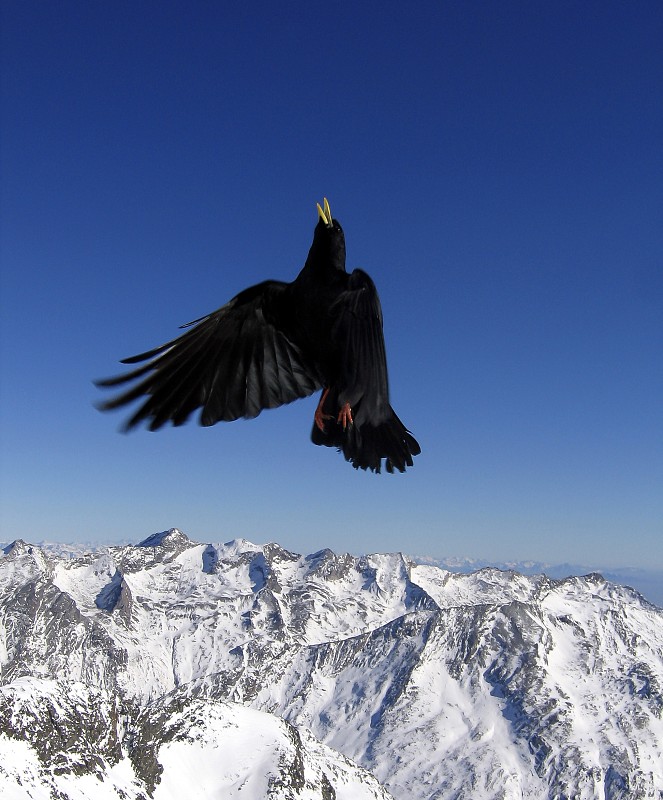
(182, 669)
(648, 582)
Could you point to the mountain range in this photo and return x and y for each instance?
(647, 581)
(175, 668)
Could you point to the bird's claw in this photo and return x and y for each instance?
(319, 419)
(345, 416)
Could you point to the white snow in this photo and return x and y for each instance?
(491, 685)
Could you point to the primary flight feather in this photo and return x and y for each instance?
(276, 342)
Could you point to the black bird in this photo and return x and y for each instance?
(276, 342)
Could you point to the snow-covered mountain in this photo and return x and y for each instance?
(648, 582)
(174, 668)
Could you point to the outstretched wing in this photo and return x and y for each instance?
(232, 363)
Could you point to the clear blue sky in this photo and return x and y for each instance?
(498, 170)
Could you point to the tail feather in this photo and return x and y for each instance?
(366, 444)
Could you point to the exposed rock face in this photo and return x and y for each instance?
(123, 669)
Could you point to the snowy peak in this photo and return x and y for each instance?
(172, 540)
(235, 547)
(19, 560)
(311, 669)
(20, 549)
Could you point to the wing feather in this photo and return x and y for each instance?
(364, 382)
(232, 363)
(376, 434)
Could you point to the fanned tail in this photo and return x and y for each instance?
(366, 443)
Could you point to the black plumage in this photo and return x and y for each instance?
(276, 342)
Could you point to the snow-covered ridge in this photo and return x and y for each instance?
(649, 582)
(442, 685)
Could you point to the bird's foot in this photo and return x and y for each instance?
(319, 417)
(345, 416)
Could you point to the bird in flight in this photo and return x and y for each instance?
(274, 343)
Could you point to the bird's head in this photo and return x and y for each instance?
(328, 238)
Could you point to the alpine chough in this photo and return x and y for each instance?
(276, 342)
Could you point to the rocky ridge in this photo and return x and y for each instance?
(124, 669)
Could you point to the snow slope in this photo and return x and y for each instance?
(304, 672)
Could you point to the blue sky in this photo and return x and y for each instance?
(497, 168)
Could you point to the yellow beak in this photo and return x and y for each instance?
(325, 215)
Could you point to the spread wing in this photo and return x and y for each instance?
(232, 363)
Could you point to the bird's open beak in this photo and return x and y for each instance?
(325, 215)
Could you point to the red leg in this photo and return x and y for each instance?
(319, 418)
(345, 416)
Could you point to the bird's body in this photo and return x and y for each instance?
(276, 342)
